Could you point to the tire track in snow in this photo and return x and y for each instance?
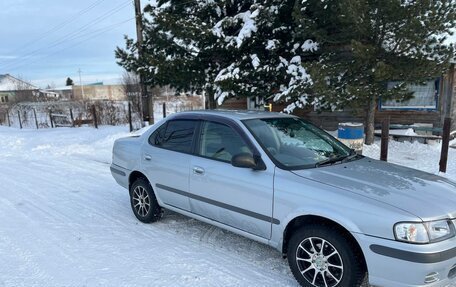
(10, 251)
(79, 218)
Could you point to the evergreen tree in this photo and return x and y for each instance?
(363, 44)
(179, 48)
(326, 53)
(267, 61)
(69, 82)
(224, 48)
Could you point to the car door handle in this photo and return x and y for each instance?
(198, 170)
(147, 157)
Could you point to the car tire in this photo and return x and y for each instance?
(143, 201)
(337, 264)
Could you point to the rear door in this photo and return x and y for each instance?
(238, 197)
(166, 161)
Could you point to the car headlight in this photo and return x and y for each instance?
(426, 232)
(439, 230)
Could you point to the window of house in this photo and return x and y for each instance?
(2, 99)
(6, 99)
(425, 97)
(221, 142)
(175, 135)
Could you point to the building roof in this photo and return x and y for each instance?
(64, 88)
(10, 83)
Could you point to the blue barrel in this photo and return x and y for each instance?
(352, 135)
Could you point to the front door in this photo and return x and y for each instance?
(238, 197)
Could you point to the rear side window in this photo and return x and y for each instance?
(175, 135)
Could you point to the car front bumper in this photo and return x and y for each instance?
(396, 264)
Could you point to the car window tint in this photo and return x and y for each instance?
(157, 137)
(177, 136)
(221, 142)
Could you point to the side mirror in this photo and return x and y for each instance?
(247, 160)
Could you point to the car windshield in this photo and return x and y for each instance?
(295, 144)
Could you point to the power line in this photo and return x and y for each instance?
(90, 36)
(70, 36)
(79, 34)
(58, 27)
(73, 35)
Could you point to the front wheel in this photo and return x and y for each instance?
(320, 256)
(143, 201)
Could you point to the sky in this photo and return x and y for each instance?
(46, 41)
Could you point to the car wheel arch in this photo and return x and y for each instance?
(303, 220)
(134, 176)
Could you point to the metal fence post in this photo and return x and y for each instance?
(445, 145)
(385, 139)
(8, 117)
(72, 117)
(20, 121)
(94, 114)
(50, 118)
(130, 121)
(36, 120)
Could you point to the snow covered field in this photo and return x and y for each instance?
(65, 222)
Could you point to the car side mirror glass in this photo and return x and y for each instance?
(247, 160)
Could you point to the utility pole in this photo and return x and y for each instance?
(148, 104)
(80, 83)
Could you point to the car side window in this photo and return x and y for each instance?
(175, 135)
(221, 142)
(156, 138)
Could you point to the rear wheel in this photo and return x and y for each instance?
(143, 201)
(320, 256)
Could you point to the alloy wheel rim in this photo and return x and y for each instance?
(319, 262)
(141, 201)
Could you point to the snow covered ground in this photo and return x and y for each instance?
(424, 157)
(65, 222)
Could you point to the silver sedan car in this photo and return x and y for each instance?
(341, 219)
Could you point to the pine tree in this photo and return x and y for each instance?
(326, 53)
(69, 82)
(363, 44)
(224, 48)
(179, 46)
(268, 62)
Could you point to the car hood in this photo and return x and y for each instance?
(422, 194)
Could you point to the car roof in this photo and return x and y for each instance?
(235, 114)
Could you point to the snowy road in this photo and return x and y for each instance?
(65, 222)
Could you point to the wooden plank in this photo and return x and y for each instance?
(398, 136)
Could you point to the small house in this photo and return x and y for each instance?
(13, 89)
